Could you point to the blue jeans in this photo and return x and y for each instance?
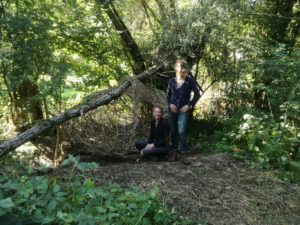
(178, 122)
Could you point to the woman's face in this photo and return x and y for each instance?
(157, 113)
(181, 68)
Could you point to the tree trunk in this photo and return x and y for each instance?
(138, 64)
(162, 10)
(27, 105)
(41, 127)
(153, 14)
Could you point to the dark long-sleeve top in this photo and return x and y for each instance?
(182, 96)
(160, 134)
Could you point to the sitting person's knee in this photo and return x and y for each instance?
(140, 144)
(137, 144)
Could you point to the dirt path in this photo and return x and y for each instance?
(216, 189)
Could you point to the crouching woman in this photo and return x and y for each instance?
(159, 139)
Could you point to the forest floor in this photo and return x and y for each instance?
(216, 189)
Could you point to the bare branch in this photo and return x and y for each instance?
(45, 125)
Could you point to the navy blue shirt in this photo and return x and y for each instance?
(181, 96)
(160, 134)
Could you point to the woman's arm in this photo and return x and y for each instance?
(169, 93)
(166, 135)
(151, 136)
(169, 97)
(196, 96)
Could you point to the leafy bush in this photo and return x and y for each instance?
(256, 138)
(263, 123)
(75, 199)
(266, 144)
(201, 132)
(269, 142)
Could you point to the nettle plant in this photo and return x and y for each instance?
(75, 199)
(270, 144)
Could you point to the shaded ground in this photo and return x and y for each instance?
(216, 188)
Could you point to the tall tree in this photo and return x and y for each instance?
(130, 46)
(25, 39)
(279, 21)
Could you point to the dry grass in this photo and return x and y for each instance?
(215, 188)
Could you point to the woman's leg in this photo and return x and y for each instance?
(173, 120)
(156, 151)
(182, 126)
(140, 144)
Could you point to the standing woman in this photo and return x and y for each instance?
(159, 138)
(180, 103)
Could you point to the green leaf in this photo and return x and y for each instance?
(101, 218)
(42, 185)
(56, 188)
(6, 203)
(52, 204)
(101, 209)
(2, 212)
(26, 189)
(30, 170)
(65, 217)
(284, 159)
(143, 212)
(10, 185)
(61, 194)
(131, 206)
(112, 215)
(48, 219)
(88, 184)
(38, 216)
(84, 218)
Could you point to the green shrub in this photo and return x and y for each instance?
(75, 199)
(256, 138)
(267, 144)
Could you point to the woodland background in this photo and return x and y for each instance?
(244, 54)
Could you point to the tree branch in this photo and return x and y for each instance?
(127, 40)
(45, 125)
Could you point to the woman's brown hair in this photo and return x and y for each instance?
(158, 107)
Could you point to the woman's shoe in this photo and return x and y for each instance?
(140, 159)
(185, 160)
(173, 156)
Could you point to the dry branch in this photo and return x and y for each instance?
(77, 111)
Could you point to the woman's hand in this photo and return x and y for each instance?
(149, 146)
(185, 108)
(173, 108)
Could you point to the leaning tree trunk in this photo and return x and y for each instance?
(77, 111)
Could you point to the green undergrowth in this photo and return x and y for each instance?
(28, 197)
(255, 138)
